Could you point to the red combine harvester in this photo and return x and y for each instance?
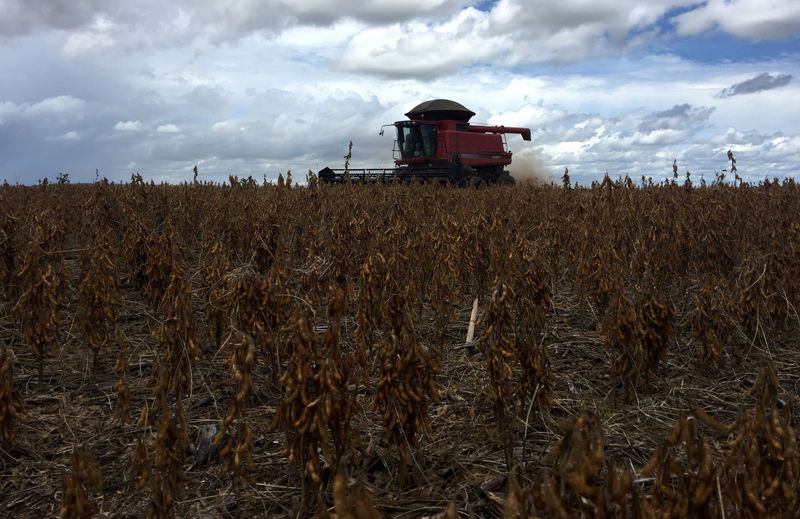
(438, 144)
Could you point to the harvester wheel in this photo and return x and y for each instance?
(506, 179)
(456, 176)
(474, 182)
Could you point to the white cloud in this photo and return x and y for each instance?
(417, 49)
(317, 37)
(683, 116)
(167, 128)
(55, 106)
(71, 135)
(660, 137)
(529, 115)
(750, 19)
(227, 126)
(128, 126)
(511, 33)
(97, 38)
(8, 111)
(58, 109)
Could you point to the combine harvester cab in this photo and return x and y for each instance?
(438, 144)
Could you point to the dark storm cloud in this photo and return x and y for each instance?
(378, 12)
(19, 17)
(183, 20)
(759, 83)
(159, 21)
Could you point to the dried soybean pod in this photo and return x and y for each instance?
(716, 425)
(552, 501)
(340, 504)
(675, 433)
(652, 463)
(512, 507)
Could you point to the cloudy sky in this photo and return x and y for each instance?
(258, 87)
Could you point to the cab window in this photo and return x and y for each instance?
(417, 140)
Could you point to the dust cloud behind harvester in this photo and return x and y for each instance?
(528, 167)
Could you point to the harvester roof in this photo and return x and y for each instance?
(438, 109)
